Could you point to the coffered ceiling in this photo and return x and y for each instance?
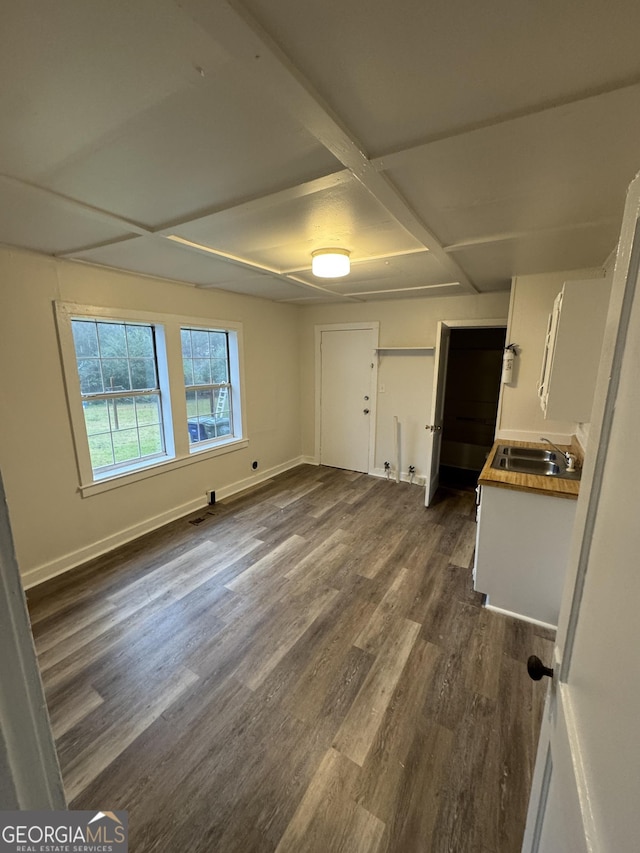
(447, 145)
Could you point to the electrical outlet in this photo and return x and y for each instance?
(381, 388)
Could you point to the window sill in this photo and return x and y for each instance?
(125, 478)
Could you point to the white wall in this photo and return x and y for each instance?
(54, 527)
(408, 379)
(531, 303)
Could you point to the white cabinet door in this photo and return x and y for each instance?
(572, 351)
(522, 550)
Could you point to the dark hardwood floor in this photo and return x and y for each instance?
(302, 668)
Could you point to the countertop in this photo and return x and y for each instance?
(554, 486)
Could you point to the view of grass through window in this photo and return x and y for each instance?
(205, 359)
(120, 394)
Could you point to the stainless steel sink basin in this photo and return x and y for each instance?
(527, 452)
(546, 467)
(532, 460)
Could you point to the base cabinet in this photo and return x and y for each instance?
(522, 549)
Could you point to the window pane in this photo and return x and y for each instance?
(90, 376)
(100, 450)
(143, 373)
(151, 440)
(185, 338)
(201, 371)
(205, 402)
(140, 341)
(219, 370)
(122, 413)
(222, 401)
(192, 408)
(113, 343)
(200, 343)
(85, 338)
(125, 445)
(188, 371)
(115, 374)
(223, 426)
(148, 410)
(96, 416)
(218, 344)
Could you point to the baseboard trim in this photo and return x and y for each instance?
(59, 566)
(76, 558)
(259, 477)
(520, 616)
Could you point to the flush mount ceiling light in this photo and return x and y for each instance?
(330, 263)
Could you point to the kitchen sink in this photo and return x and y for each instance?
(527, 453)
(532, 460)
(546, 467)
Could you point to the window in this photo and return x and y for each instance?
(207, 377)
(121, 401)
(148, 392)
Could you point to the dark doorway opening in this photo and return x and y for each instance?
(472, 389)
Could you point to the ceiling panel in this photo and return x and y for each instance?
(75, 73)
(160, 257)
(209, 146)
(157, 256)
(399, 73)
(283, 234)
(492, 265)
(565, 166)
(35, 220)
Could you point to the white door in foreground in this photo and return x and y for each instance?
(586, 787)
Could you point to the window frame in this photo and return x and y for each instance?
(233, 385)
(178, 450)
(113, 396)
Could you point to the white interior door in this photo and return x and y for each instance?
(586, 787)
(346, 398)
(434, 427)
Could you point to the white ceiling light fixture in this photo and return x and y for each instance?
(330, 263)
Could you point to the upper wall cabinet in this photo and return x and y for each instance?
(572, 351)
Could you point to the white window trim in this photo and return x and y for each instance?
(171, 378)
(236, 385)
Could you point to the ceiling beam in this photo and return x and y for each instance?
(229, 22)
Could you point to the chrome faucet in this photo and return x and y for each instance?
(569, 458)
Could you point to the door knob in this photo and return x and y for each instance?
(537, 669)
(366, 411)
